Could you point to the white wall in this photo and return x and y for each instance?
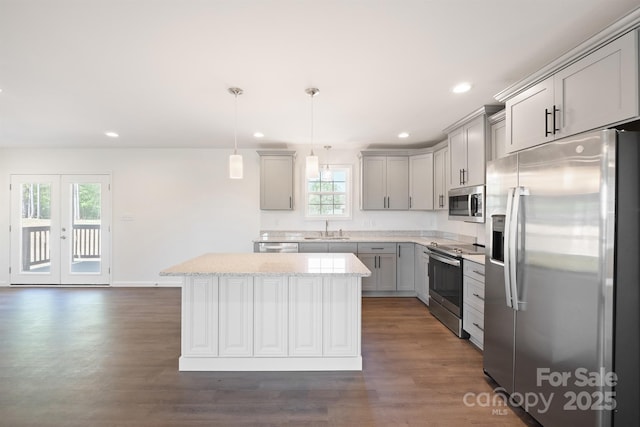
(460, 227)
(168, 204)
(360, 220)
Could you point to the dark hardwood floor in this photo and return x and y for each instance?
(109, 357)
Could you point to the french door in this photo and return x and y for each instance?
(60, 229)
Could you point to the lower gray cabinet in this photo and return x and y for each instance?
(405, 267)
(422, 273)
(380, 258)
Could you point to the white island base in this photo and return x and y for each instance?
(290, 312)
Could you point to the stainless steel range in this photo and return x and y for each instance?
(445, 283)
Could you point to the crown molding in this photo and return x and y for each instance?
(624, 25)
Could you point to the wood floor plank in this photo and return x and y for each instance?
(109, 357)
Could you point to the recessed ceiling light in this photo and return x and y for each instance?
(258, 135)
(403, 135)
(461, 87)
(111, 134)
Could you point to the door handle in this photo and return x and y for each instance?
(513, 249)
(478, 296)
(555, 110)
(546, 122)
(507, 248)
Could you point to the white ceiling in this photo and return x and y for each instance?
(157, 71)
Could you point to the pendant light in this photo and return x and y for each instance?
(312, 164)
(235, 160)
(326, 172)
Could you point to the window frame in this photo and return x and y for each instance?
(348, 193)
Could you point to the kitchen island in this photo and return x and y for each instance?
(271, 312)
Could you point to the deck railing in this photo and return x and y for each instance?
(36, 249)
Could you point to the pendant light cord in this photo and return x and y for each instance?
(312, 94)
(235, 127)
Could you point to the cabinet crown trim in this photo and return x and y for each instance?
(276, 152)
(484, 110)
(498, 117)
(629, 22)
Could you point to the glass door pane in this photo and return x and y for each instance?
(85, 233)
(86, 228)
(34, 229)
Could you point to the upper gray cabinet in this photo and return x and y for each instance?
(468, 146)
(276, 180)
(421, 182)
(385, 182)
(597, 90)
(440, 178)
(498, 135)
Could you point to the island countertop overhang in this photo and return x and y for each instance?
(271, 264)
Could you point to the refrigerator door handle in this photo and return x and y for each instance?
(507, 246)
(513, 246)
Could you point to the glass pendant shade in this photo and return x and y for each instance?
(327, 175)
(235, 166)
(235, 159)
(313, 167)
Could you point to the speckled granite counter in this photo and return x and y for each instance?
(270, 264)
(271, 312)
(369, 237)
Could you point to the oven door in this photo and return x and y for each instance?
(445, 282)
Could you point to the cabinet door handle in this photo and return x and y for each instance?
(555, 110)
(388, 202)
(478, 326)
(479, 272)
(478, 296)
(546, 122)
(399, 249)
(460, 176)
(290, 202)
(464, 171)
(410, 202)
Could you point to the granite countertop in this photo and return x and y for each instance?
(366, 237)
(270, 264)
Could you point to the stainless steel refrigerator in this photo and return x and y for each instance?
(562, 279)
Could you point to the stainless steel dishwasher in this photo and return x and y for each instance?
(271, 247)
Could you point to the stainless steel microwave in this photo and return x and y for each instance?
(467, 204)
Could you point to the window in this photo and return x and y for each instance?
(330, 195)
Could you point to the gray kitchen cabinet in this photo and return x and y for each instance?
(468, 146)
(313, 247)
(385, 182)
(276, 180)
(598, 90)
(440, 179)
(421, 182)
(405, 267)
(421, 265)
(331, 247)
(498, 135)
(380, 258)
(343, 247)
